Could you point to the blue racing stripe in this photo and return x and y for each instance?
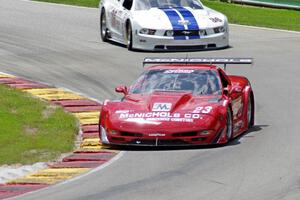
(174, 18)
(187, 15)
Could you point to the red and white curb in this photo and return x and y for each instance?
(89, 157)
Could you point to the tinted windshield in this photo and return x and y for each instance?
(199, 82)
(147, 4)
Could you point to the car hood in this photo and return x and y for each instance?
(156, 18)
(161, 110)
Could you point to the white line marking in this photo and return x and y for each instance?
(111, 161)
(265, 28)
(59, 4)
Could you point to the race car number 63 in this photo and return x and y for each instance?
(201, 109)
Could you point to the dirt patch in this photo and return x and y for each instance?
(42, 154)
(28, 130)
(50, 109)
(13, 111)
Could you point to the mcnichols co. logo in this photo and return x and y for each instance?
(162, 107)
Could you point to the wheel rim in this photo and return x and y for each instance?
(229, 125)
(103, 25)
(249, 111)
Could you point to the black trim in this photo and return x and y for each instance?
(218, 136)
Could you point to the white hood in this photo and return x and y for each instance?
(158, 19)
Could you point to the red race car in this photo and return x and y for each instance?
(180, 101)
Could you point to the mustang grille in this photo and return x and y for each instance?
(186, 33)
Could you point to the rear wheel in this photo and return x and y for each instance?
(103, 26)
(129, 36)
(229, 126)
(250, 112)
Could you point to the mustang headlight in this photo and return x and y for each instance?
(220, 29)
(147, 31)
(202, 32)
(169, 33)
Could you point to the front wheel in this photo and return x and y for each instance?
(129, 36)
(229, 126)
(103, 26)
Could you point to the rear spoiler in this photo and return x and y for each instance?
(223, 61)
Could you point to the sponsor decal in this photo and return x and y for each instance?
(183, 22)
(161, 107)
(238, 125)
(157, 134)
(215, 19)
(178, 71)
(236, 107)
(201, 109)
(161, 116)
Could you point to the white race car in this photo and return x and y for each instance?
(163, 25)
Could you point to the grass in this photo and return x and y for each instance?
(86, 3)
(237, 14)
(258, 16)
(32, 130)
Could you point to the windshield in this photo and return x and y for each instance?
(148, 4)
(199, 82)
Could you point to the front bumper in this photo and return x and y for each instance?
(161, 141)
(164, 43)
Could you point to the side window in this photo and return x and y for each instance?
(127, 4)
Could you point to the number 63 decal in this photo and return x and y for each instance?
(205, 110)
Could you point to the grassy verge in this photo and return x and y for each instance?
(237, 14)
(258, 16)
(86, 3)
(31, 130)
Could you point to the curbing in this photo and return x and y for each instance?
(91, 155)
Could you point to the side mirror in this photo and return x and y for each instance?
(236, 90)
(227, 90)
(122, 89)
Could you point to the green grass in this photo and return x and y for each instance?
(32, 130)
(258, 16)
(86, 3)
(237, 14)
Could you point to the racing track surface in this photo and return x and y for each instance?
(60, 45)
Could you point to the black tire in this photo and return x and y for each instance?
(250, 111)
(229, 125)
(129, 36)
(103, 26)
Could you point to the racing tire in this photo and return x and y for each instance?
(103, 26)
(250, 111)
(229, 125)
(129, 36)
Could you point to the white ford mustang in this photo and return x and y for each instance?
(163, 25)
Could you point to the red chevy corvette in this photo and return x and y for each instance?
(180, 101)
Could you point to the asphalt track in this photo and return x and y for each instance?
(60, 45)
